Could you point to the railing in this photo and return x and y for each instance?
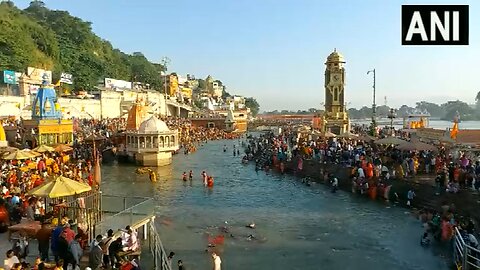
(160, 257)
(126, 214)
(465, 256)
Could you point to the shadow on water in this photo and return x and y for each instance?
(297, 227)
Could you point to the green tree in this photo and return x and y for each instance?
(253, 105)
(451, 109)
(55, 40)
(434, 109)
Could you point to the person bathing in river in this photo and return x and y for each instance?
(334, 185)
(204, 178)
(184, 176)
(224, 148)
(190, 175)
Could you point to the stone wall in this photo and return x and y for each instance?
(112, 104)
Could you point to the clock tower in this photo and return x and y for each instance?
(335, 117)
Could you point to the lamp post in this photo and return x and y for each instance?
(374, 105)
(165, 61)
(391, 115)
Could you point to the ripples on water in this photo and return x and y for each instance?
(305, 227)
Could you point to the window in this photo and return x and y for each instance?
(335, 94)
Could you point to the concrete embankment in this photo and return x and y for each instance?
(466, 202)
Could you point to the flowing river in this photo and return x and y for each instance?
(297, 226)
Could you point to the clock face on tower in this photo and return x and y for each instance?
(335, 78)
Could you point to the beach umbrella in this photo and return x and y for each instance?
(348, 135)
(63, 148)
(416, 146)
(328, 134)
(32, 152)
(44, 148)
(59, 186)
(8, 149)
(20, 155)
(94, 137)
(366, 138)
(390, 140)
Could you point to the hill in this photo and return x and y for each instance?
(58, 41)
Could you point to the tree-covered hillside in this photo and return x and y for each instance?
(55, 40)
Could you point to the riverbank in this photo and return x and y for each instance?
(466, 201)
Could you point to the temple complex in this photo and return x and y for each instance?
(335, 119)
(230, 122)
(149, 142)
(47, 125)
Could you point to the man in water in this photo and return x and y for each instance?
(334, 185)
(204, 178)
(217, 262)
(190, 175)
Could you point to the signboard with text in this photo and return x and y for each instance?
(66, 78)
(117, 84)
(9, 77)
(36, 74)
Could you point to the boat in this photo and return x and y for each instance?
(109, 155)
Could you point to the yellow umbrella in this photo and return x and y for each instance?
(60, 186)
(44, 148)
(20, 155)
(32, 152)
(63, 148)
(8, 149)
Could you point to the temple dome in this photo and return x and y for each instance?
(335, 57)
(153, 125)
(230, 118)
(136, 115)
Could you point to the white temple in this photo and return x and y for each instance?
(153, 143)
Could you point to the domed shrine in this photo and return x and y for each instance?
(47, 125)
(153, 143)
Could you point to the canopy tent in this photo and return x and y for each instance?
(63, 148)
(44, 148)
(416, 145)
(390, 140)
(59, 186)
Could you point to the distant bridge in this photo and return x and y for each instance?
(287, 117)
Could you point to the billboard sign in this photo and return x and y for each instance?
(115, 84)
(36, 74)
(66, 78)
(9, 77)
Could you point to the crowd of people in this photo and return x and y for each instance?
(374, 168)
(63, 242)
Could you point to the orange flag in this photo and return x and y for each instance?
(454, 131)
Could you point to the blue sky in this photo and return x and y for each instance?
(275, 50)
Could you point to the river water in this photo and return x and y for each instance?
(437, 124)
(302, 227)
